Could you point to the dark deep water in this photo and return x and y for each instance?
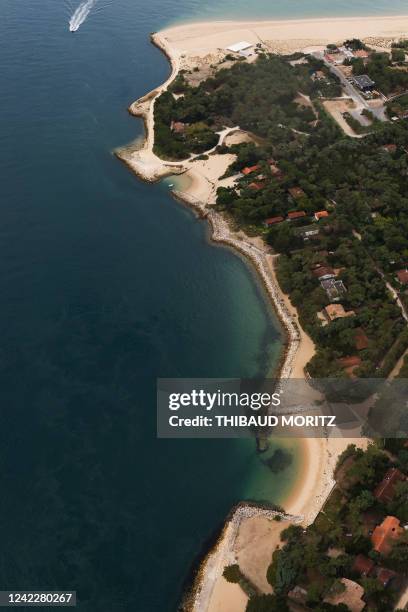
(105, 284)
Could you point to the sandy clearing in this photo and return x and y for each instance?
(204, 175)
(238, 137)
(257, 539)
(227, 597)
(336, 108)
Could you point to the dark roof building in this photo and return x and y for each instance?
(364, 82)
(334, 288)
(306, 231)
(385, 491)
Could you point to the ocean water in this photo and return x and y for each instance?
(286, 9)
(105, 284)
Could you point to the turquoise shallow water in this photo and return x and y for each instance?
(107, 283)
(287, 9)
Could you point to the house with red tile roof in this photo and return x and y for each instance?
(249, 169)
(390, 148)
(321, 214)
(385, 490)
(334, 288)
(335, 58)
(361, 53)
(402, 276)
(256, 186)
(351, 361)
(349, 364)
(273, 221)
(178, 127)
(296, 214)
(276, 171)
(385, 535)
(323, 272)
(336, 311)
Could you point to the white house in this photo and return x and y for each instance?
(239, 46)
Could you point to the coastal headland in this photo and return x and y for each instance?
(198, 47)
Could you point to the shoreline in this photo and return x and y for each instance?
(236, 248)
(285, 20)
(315, 481)
(215, 559)
(221, 233)
(279, 20)
(197, 38)
(147, 166)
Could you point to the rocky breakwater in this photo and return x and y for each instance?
(224, 554)
(222, 232)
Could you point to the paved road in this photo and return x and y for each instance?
(359, 100)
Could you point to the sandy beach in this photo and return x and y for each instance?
(257, 536)
(204, 44)
(279, 36)
(250, 536)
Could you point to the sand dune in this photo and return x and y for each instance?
(203, 38)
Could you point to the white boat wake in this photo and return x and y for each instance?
(80, 14)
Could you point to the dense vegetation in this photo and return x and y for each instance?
(361, 183)
(316, 558)
(398, 107)
(366, 295)
(363, 187)
(388, 77)
(258, 97)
